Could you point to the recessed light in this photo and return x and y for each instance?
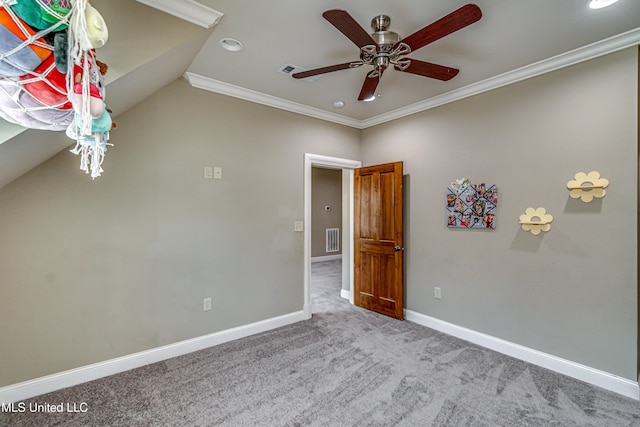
(230, 44)
(599, 4)
(338, 104)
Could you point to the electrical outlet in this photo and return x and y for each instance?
(217, 172)
(206, 304)
(437, 292)
(298, 226)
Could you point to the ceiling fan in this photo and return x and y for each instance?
(384, 48)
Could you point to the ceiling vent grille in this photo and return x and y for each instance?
(290, 69)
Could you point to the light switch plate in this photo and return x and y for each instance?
(298, 226)
(217, 172)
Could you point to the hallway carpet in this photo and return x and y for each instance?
(344, 367)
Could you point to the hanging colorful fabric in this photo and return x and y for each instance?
(18, 56)
(43, 14)
(91, 148)
(18, 106)
(47, 85)
(50, 77)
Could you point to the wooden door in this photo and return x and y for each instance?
(378, 257)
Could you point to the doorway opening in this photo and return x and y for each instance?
(326, 238)
(347, 167)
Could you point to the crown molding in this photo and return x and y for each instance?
(592, 51)
(201, 82)
(189, 10)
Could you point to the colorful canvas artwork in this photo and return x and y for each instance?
(471, 206)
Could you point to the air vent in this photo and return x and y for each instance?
(290, 69)
(333, 240)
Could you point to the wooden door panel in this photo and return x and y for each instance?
(386, 290)
(367, 268)
(387, 271)
(364, 297)
(387, 228)
(367, 216)
(381, 247)
(378, 233)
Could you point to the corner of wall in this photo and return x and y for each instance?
(638, 207)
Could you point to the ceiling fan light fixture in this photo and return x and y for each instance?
(369, 99)
(599, 4)
(230, 44)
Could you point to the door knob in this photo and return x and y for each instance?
(398, 249)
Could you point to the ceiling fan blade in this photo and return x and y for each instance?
(370, 84)
(349, 27)
(324, 70)
(427, 69)
(444, 26)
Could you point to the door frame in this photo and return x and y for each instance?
(311, 160)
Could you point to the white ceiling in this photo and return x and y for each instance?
(511, 34)
(153, 42)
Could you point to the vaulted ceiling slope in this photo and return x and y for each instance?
(147, 49)
(153, 42)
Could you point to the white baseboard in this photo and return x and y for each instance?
(49, 383)
(326, 258)
(344, 293)
(307, 311)
(605, 380)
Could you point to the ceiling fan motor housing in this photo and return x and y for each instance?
(384, 38)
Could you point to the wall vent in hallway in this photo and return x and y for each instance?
(333, 239)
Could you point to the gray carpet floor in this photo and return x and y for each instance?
(344, 367)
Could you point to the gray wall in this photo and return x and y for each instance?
(92, 270)
(326, 190)
(571, 292)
